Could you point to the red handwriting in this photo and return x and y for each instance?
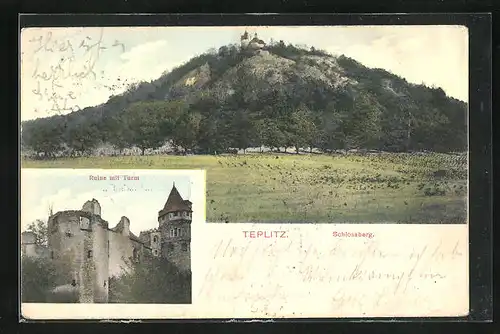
(265, 234)
(353, 234)
(114, 178)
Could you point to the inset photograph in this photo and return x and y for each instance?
(107, 236)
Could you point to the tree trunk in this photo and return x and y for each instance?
(297, 149)
(142, 150)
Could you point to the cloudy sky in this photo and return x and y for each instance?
(69, 189)
(63, 69)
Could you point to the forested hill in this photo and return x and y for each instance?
(284, 96)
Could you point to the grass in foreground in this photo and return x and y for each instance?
(280, 188)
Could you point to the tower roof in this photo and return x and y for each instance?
(175, 202)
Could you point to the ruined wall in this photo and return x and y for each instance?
(28, 244)
(65, 242)
(30, 248)
(155, 243)
(100, 259)
(92, 252)
(34, 250)
(87, 270)
(92, 206)
(120, 250)
(79, 239)
(152, 239)
(141, 249)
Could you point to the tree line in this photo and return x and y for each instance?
(206, 127)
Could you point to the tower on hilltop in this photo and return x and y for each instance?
(254, 45)
(244, 40)
(175, 230)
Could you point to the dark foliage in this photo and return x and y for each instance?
(377, 110)
(39, 278)
(151, 280)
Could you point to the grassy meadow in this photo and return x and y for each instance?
(281, 188)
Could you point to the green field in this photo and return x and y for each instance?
(279, 188)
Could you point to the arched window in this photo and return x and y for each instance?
(155, 239)
(84, 223)
(89, 254)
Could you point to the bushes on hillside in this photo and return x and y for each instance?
(151, 280)
(381, 111)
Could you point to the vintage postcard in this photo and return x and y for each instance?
(311, 171)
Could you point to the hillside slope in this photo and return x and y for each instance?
(282, 96)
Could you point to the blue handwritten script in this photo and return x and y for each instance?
(117, 188)
(266, 278)
(63, 66)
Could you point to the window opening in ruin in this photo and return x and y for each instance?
(52, 254)
(68, 233)
(73, 282)
(89, 254)
(155, 239)
(104, 284)
(172, 232)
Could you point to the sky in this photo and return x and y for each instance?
(65, 189)
(63, 69)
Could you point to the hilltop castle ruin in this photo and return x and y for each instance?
(97, 252)
(254, 45)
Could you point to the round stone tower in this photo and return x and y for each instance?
(175, 229)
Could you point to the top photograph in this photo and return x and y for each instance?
(293, 124)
